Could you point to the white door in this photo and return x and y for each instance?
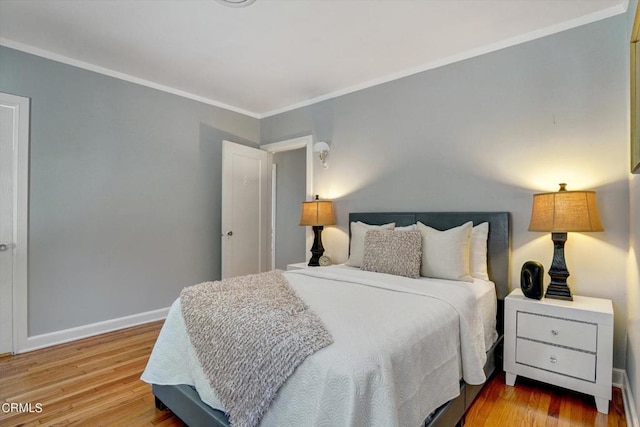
(245, 192)
(14, 138)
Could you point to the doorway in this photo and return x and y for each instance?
(292, 183)
(289, 189)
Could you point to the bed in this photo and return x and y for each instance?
(185, 392)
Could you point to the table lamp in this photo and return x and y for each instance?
(317, 214)
(560, 213)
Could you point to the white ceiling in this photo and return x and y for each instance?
(279, 54)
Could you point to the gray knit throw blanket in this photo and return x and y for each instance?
(250, 333)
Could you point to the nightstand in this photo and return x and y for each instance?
(297, 266)
(565, 343)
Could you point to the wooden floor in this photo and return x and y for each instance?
(95, 382)
(531, 403)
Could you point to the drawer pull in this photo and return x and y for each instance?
(554, 332)
(553, 359)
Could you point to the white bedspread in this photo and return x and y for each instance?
(398, 348)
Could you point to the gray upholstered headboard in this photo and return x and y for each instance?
(498, 245)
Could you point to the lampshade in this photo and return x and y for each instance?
(318, 212)
(565, 211)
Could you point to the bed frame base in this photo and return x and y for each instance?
(185, 404)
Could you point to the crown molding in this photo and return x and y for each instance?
(122, 76)
(543, 32)
(523, 38)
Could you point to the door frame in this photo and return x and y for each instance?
(20, 217)
(288, 145)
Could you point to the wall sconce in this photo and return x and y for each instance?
(322, 148)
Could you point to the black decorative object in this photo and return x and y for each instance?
(531, 279)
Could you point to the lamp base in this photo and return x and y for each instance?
(558, 288)
(558, 291)
(317, 250)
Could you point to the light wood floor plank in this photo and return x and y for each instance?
(96, 382)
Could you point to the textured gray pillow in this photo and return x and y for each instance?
(393, 252)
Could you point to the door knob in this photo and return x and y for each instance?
(4, 247)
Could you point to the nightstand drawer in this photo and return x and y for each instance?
(560, 360)
(567, 333)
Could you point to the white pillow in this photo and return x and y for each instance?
(406, 228)
(358, 230)
(478, 252)
(445, 254)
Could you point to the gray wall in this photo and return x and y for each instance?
(124, 204)
(486, 134)
(291, 191)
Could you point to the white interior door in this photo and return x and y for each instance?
(14, 138)
(245, 189)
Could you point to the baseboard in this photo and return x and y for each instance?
(60, 337)
(617, 378)
(621, 380)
